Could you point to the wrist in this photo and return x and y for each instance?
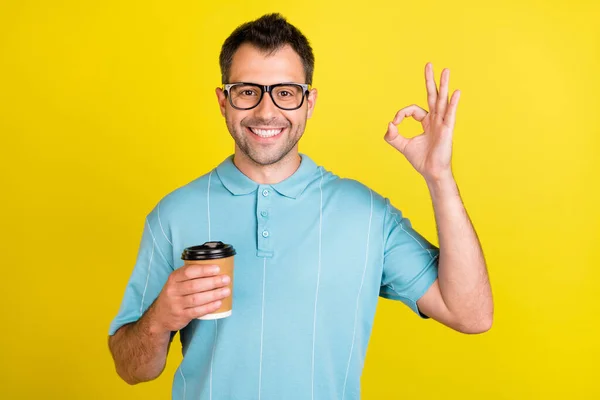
(442, 185)
(152, 324)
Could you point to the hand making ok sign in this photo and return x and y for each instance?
(431, 151)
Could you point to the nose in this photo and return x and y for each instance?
(266, 109)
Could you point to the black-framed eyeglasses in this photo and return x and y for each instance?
(246, 96)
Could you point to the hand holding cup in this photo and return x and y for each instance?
(191, 291)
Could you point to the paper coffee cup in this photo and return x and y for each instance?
(214, 253)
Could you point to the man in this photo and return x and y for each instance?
(314, 252)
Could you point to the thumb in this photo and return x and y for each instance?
(394, 138)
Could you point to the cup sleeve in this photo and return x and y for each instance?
(410, 263)
(148, 277)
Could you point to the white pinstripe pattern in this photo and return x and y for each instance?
(208, 203)
(157, 247)
(312, 380)
(262, 324)
(184, 383)
(212, 358)
(161, 227)
(362, 281)
(399, 222)
(149, 267)
(415, 239)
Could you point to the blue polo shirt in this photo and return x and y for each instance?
(314, 253)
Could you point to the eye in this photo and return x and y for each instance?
(287, 92)
(244, 91)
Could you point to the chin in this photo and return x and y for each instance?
(266, 159)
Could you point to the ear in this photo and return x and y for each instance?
(312, 99)
(222, 100)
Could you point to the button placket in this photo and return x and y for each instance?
(264, 234)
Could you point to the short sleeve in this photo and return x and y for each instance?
(149, 274)
(410, 262)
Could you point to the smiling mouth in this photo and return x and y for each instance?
(266, 133)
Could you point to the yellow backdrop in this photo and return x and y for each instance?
(107, 106)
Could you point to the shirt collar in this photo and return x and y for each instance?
(239, 184)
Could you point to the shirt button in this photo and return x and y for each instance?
(264, 213)
(265, 234)
(265, 193)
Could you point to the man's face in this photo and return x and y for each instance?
(266, 134)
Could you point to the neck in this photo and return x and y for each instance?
(267, 174)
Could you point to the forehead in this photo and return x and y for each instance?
(250, 64)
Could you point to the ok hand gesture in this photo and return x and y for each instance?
(430, 153)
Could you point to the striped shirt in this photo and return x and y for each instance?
(314, 253)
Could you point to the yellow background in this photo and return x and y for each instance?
(106, 106)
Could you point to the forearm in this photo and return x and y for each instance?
(140, 349)
(463, 277)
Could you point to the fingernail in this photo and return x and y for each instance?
(215, 269)
(226, 279)
(225, 292)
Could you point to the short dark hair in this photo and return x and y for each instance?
(268, 33)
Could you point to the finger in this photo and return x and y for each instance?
(414, 111)
(200, 311)
(442, 99)
(431, 87)
(394, 138)
(200, 299)
(199, 285)
(450, 117)
(193, 271)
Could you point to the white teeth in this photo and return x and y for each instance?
(266, 133)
